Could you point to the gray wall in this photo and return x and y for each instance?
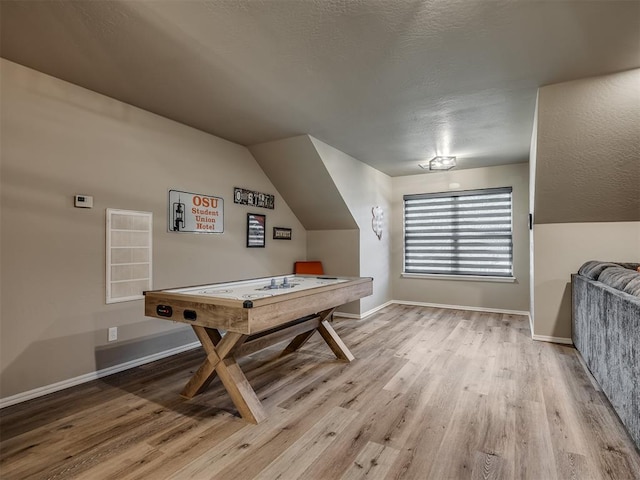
(362, 188)
(588, 150)
(559, 250)
(295, 168)
(483, 294)
(587, 187)
(59, 140)
(339, 252)
(333, 195)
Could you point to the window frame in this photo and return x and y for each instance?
(449, 275)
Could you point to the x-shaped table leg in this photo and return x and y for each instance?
(221, 361)
(328, 334)
(222, 351)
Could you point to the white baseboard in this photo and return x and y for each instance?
(55, 387)
(365, 314)
(355, 316)
(546, 338)
(379, 307)
(531, 324)
(434, 305)
(87, 377)
(461, 307)
(540, 338)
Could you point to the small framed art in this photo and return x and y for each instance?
(281, 233)
(256, 228)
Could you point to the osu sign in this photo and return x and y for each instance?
(195, 213)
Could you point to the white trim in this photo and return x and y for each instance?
(87, 377)
(347, 315)
(365, 314)
(546, 338)
(374, 310)
(472, 278)
(540, 338)
(461, 307)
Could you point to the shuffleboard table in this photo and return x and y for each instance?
(238, 318)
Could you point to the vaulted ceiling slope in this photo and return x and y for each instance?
(296, 169)
(391, 83)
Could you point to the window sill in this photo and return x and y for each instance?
(473, 278)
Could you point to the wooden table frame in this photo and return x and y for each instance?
(252, 326)
(223, 354)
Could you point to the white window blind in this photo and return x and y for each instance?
(459, 233)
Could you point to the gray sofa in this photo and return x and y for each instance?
(606, 332)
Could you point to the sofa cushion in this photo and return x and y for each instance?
(617, 277)
(593, 268)
(633, 287)
(630, 266)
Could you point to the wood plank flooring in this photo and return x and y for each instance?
(432, 394)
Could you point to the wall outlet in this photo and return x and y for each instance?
(113, 334)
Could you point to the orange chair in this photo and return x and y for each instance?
(308, 268)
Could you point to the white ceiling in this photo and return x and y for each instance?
(389, 82)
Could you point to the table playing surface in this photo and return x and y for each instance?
(259, 288)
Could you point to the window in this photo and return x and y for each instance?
(459, 233)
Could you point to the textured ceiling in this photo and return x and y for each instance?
(391, 83)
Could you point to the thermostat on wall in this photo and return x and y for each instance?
(83, 201)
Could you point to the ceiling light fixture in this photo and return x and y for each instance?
(439, 163)
(442, 163)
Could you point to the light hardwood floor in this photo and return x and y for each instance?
(432, 394)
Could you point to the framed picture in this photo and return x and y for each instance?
(256, 228)
(281, 233)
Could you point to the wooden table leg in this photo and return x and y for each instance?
(334, 341)
(328, 334)
(297, 342)
(301, 339)
(222, 352)
(241, 393)
(221, 361)
(209, 338)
